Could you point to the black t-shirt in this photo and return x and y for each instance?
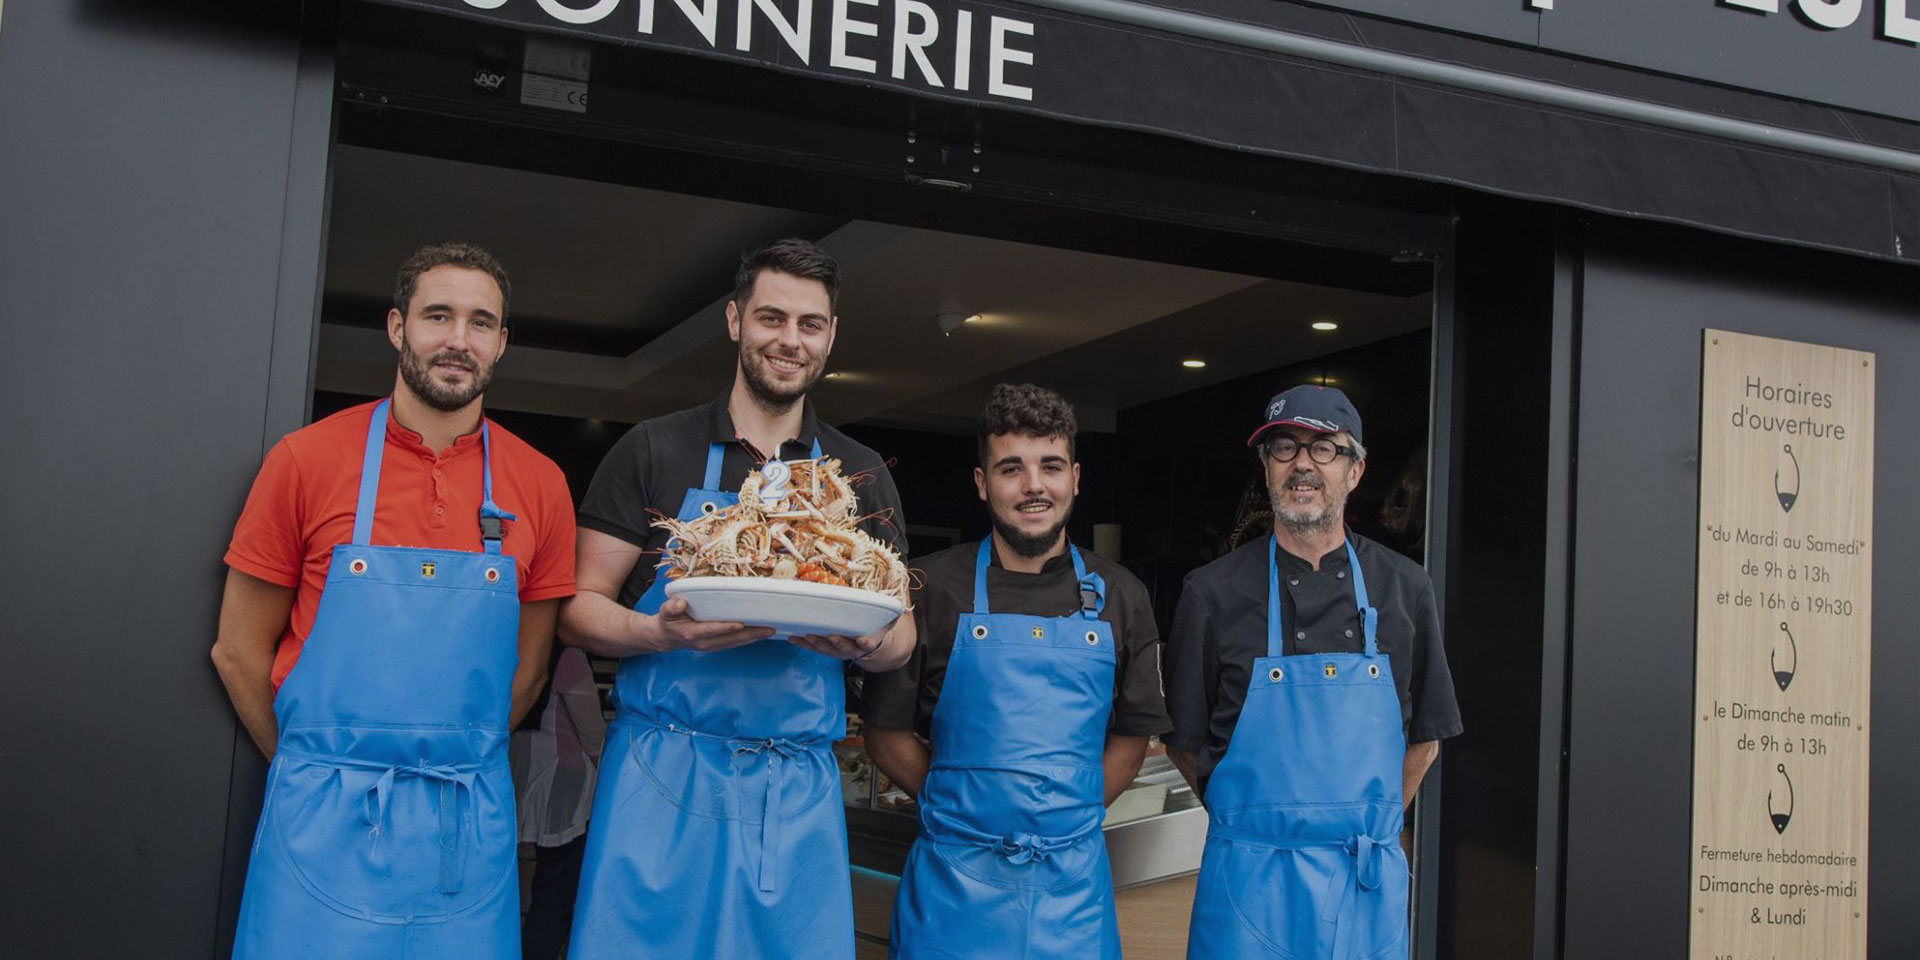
(649, 471)
(904, 698)
(1220, 628)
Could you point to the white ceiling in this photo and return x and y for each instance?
(654, 268)
(591, 253)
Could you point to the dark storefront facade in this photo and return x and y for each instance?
(1577, 192)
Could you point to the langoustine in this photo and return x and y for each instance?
(807, 529)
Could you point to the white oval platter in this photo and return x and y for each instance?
(790, 607)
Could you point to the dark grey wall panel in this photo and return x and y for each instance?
(144, 201)
(1494, 578)
(1647, 292)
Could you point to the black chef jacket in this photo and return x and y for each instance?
(905, 698)
(1220, 628)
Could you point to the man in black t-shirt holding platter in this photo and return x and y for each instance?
(1037, 684)
(717, 828)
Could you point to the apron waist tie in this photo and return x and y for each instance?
(455, 782)
(1364, 856)
(777, 750)
(1017, 847)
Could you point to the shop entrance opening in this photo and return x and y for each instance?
(1167, 333)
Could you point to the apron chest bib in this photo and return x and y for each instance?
(1010, 861)
(1303, 857)
(717, 826)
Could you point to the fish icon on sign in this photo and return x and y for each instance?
(1785, 677)
(1780, 818)
(1787, 496)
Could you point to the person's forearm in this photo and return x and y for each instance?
(900, 755)
(1120, 763)
(1413, 769)
(1188, 763)
(595, 623)
(528, 680)
(538, 621)
(895, 648)
(582, 705)
(253, 613)
(249, 687)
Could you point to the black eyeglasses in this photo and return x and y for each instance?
(1285, 449)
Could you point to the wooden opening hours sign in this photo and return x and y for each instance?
(1783, 651)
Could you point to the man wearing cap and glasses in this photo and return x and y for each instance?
(1308, 691)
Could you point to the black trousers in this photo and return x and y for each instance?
(556, 881)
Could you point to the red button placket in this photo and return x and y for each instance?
(439, 519)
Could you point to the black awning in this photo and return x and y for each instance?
(1238, 74)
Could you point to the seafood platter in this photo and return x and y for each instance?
(789, 555)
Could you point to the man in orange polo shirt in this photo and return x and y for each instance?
(390, 602)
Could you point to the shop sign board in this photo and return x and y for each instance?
(982, 52)
(1783, 651)
(1858, 54)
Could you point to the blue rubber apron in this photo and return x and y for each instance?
(1303, 854)
(717, 827)
(388, 828)
(1011, 863)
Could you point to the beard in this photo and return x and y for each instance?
(1031, 545)
(769, 393)
(1305, 520)
(417, 373)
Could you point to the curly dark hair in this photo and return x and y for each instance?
(1028, 410)
(452, 253)
(794, 257)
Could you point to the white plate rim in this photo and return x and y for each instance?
(771, 587)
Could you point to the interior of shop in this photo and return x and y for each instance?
(617, 316)
(1167, 329)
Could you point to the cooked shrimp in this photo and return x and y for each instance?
(810, 534)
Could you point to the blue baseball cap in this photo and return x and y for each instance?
(1311, 407)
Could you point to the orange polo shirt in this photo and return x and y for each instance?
(302, 503)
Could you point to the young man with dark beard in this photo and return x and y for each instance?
(1309, 693)
(717, 828)
(1024, 711)
(387, 618)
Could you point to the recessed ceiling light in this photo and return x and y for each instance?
(1193, 364)
(835, 375)
(950, 320)
(1325, 326)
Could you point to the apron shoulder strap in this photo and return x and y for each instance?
(370, 475)
(1093, 587)
(491, 516)
(1276, 642)
(1369, 617)
(980, 575)
(491, 531)
(716, 452)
